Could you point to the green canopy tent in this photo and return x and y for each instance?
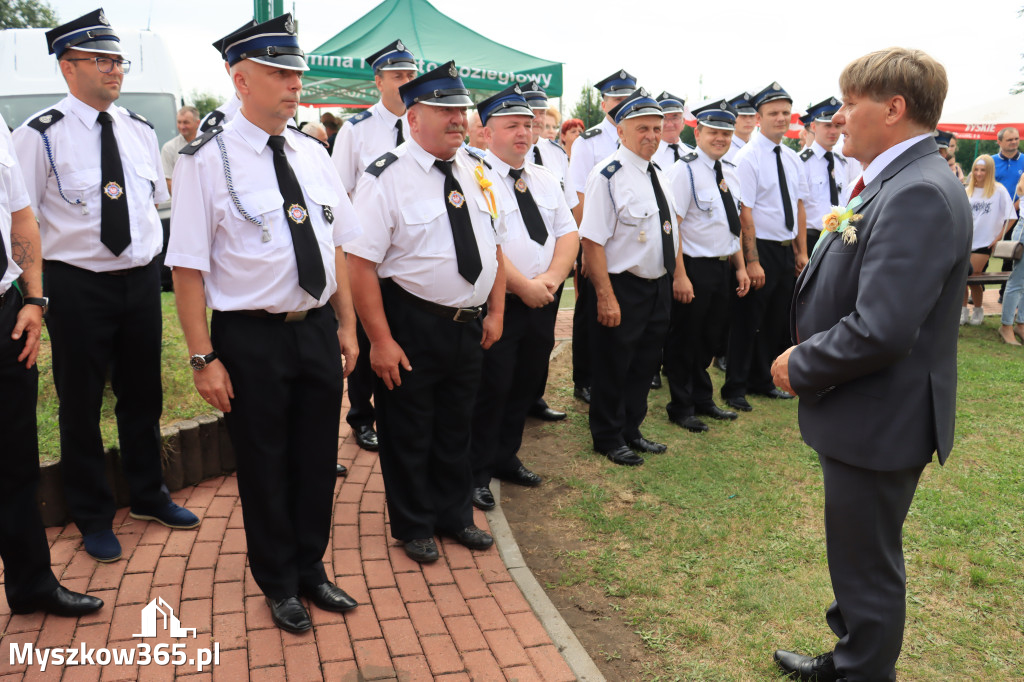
(339, 75)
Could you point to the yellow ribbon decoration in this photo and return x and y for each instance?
(485, 187)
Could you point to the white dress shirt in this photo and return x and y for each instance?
(554, 158)
(758, 173)
(819, 202)
(734, 148)
(529, 257)
(621, 214)
(241, 270)
(362, 140)
(13, 197)
(704, 225)
(665, 158)
(70, 229)
(406, 230)
(587, 152)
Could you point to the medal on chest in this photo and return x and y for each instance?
(456, 199)
(113, 190)
(521, 186)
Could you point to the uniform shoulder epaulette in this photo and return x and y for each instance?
(587, 134)
(807, 154)
(213, 119)
(557, 146)
(728, 163)
(840, 158)
(302, 132)
(475, 155)
(692, 156)
(655, 164)
(611, 169)
(140, 118)
(193, 146)
(45, 120)
(378, 166)
(360, 117)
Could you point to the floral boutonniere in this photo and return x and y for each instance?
(842, 220)
(485, 187)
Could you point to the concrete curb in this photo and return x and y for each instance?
(561, 634)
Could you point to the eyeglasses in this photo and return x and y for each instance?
(105, 64)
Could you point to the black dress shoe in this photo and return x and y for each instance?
(715, 412)
(423, 550)
(656, 381)
(797, 667)
(522, 476)
(774, 394)
(691, 424)
(719, 363)
(482, 498)
(545, 413)
(342, 470)
(366, 438)
(289, 614)
(583, 393)
(739, 403)
(473, 538)
(623, 455)
(644, 445)
(60, 602)
(329, 597)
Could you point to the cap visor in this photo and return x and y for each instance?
(449, 101)
(98, 46)
(399, 66)
(292, 62)
(512, 111)
(717, 125)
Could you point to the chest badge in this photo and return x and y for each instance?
(667, 226)
(297, 214)
(521, 186)
(456, 199)
(112, 190)
(328, 215)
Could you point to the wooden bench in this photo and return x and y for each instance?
(988, 278)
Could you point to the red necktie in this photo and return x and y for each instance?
(858, 187)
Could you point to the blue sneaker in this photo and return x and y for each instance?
(167, 513)
(102, 546)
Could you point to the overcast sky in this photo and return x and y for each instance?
(711, 52)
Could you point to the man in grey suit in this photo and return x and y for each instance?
(875, 318)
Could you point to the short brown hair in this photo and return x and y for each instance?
(913, 74)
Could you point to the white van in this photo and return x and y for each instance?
(32, 80)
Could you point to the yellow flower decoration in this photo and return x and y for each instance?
(485, 187)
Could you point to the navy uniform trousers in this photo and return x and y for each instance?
(99, 321)
(360, 385)
(283, 424)
(515, 370)
(23, 546)
(624, 358)
(694, 333)
(759, 329)
(424, 424)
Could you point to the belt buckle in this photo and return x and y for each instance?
(466, 314)
(786, 242)
(296, 316)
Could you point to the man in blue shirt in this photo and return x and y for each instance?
(1009, 162)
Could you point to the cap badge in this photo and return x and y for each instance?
(622, 74)
(452, 71)
(297, 214)
(521, 186)
(102, 18)
(289, 26)
(456, 199)
(667, 227)
(723, 106)
(515, 89)
(833, 101)
(113, 190)
(399, 45)
(45, 119)
(643, 93)
(776, 86)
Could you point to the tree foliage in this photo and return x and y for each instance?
(27, 14)
(588, 106)
(204, 101)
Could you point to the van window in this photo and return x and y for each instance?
(160, 109)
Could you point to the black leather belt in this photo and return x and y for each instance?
(297, 316)
(784, 242)
(456, 314)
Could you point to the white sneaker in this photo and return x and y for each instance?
(965, 314)
(977, 317)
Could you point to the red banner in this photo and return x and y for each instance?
(977, 131)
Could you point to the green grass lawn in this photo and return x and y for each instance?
(181, 401)
(715, 550)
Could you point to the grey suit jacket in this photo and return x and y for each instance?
(877, 321)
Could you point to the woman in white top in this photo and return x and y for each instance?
(993, 215)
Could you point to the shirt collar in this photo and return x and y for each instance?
(610, 127)
(818, 150)
(423, 158)
(763, 140)
(881, 161)
(1009, 158)
(626, 156)
(497, 165)
(380, 110)
(707, 160)
(84, 112)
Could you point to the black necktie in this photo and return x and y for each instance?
(833, 192)
(675, 151)
(536, 156)
(307, 252)
(665, 220)
(784, 188)
(399, 137)
(467, 255)
(115, 232)
(528, 207)
(727, 200)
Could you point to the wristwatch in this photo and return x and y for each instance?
(199, 362)
(42, 301)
